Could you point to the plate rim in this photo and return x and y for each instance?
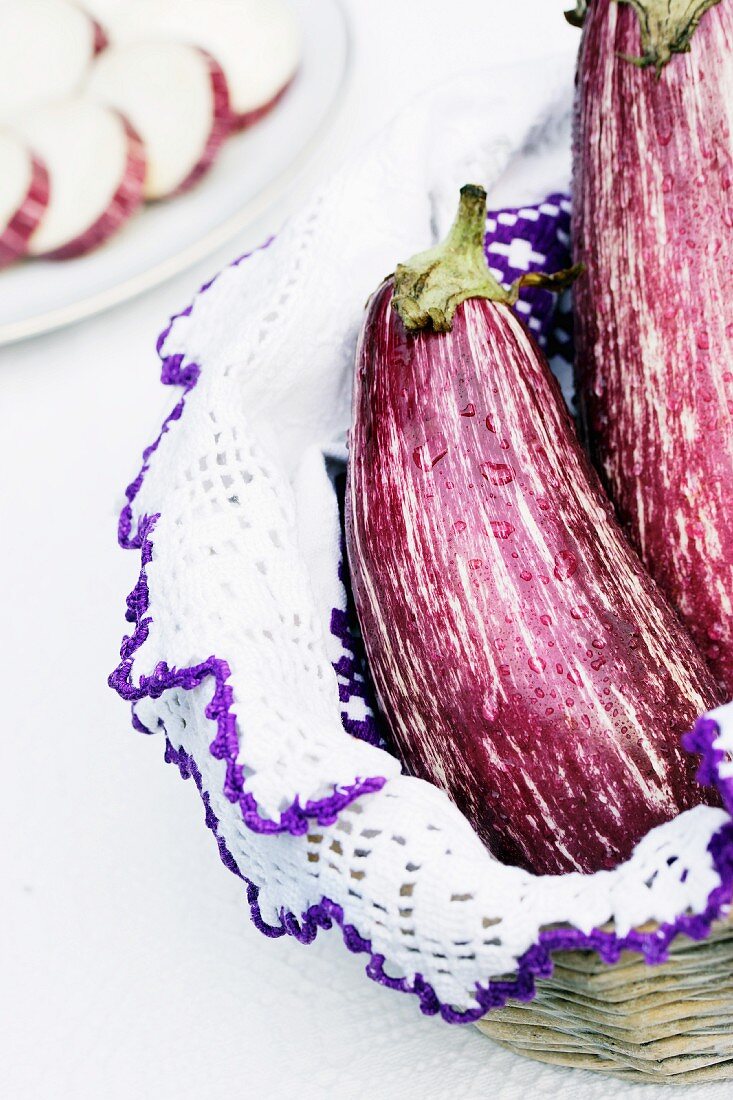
(129, 288)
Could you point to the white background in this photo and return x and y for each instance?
(128, 966)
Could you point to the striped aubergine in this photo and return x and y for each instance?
(525, 661)
(653, 224)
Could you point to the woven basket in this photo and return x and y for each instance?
(671, 1023)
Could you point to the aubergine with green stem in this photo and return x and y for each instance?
(653, 222)
(525, 661)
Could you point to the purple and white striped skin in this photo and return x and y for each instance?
(101, 41)
(653, 223)
(525, 661)
(221, 125)
(29, 191)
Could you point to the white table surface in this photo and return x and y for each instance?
(128, 966)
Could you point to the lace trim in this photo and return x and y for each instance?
(536, 962)
(225, 746)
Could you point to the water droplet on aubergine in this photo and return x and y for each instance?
(665, 128)
(489, 706)
(537, 664)
(501, 529)
(566, 564)
(498, 473)
(468, 410)
(424, 460)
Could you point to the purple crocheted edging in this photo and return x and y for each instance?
(536, 962)
(351, 668)
(701, 740)
(225, 746)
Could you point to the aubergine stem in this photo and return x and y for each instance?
(429, 288)
(576, 15)
(667, 27)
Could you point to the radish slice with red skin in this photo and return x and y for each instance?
(24, 192)
(96, 166)
(176, 98)
(256, 42)
(46, 48)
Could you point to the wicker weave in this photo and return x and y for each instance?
(670, 1023)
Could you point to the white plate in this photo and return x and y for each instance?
(251, 172)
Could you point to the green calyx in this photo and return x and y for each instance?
(576, 16)
(429, 288)
(667, 27)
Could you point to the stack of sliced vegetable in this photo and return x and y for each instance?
(537, 651)
(107, 106)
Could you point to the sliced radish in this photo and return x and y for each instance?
(96, 166)
(23, 197)
(256, 42)
(46, 48)
(176, 97)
